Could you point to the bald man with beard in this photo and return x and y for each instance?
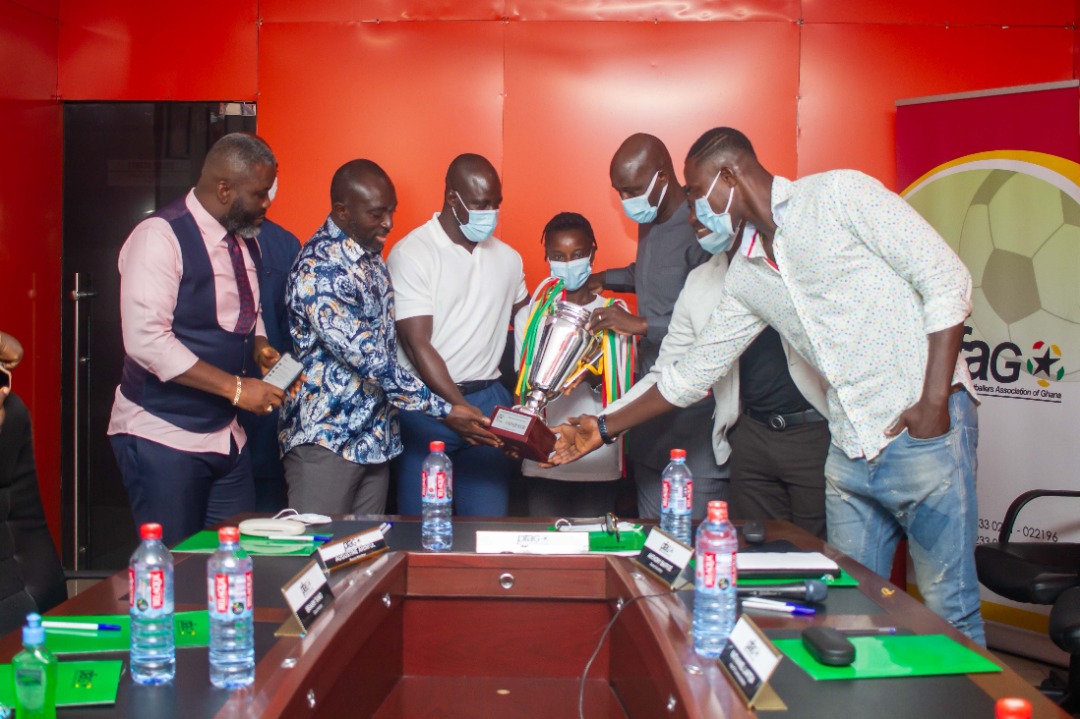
(189, 307)
(644, 176)
(456, 287)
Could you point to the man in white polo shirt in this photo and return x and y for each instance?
(456, 288)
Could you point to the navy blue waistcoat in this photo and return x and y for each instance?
(195, 325)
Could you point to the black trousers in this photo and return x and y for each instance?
(779, 475)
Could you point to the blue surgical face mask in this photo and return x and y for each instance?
(638, 208)
(714, 243)
(574, 273)
(719, 223)
(481, 224)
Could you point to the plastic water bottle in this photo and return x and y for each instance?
(437, 494)
(230, 603)
(150, 588)
(34, 670)
(676, 497)
(714, 586)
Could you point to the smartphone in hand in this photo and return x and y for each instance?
(285, 372)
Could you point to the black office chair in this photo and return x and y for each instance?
(31, 576)
(1065, 631)
(1040, 573)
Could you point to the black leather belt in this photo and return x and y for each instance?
(780, 422)
(475, 385)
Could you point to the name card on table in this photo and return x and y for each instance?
(665, 558)
(749, 659)
(307, 594)
(532, 542)
(351, 549)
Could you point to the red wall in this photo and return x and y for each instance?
(545, 88)
(548, 88)
(30, 222)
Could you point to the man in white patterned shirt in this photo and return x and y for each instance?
(864, 289)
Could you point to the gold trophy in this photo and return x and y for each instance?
(564, 350)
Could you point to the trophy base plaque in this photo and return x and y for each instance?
(525, 433)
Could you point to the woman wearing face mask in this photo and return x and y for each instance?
(586, 488)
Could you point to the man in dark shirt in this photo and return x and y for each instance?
(279, 248)
(644, 176)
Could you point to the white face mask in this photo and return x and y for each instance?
(718, 222)
(481, 223)
(638, 208)
(574, 273)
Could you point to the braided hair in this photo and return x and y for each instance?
(717, 141)
(568, 221)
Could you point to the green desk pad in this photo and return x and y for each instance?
(632, 540)
(895, 656)
(206, 541)
(192, 630)
(77, 683)
(844, 580)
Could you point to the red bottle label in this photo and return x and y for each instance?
(423, 484)
(440, 485)
(689, 493)
(248, 592)
(131, 587)
(665, 493)
(708, 568)
(157, 588)
(221, 593)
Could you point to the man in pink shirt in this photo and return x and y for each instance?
(195, 345)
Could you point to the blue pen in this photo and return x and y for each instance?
(386, 527)
(801, 609)
(84, 626)
(300, 537)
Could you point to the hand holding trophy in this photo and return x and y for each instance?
(563, 350)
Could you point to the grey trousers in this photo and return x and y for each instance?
(779, 475)
(323, 482)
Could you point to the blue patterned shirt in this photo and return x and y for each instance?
(341, 317)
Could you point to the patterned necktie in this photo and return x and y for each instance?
(247, 300)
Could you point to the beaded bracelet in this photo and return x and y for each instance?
(601, 424)
(239, 387)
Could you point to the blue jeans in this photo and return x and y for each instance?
(926, 489)
(481, 474)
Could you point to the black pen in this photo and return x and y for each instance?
(875, 632)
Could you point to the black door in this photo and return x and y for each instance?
(122, 161)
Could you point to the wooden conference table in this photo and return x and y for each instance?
(415, 634)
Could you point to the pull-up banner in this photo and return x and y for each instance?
(996, 174)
